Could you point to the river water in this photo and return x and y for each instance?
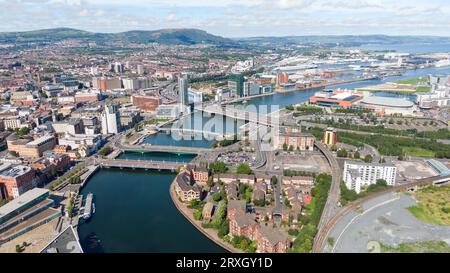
(134, 212)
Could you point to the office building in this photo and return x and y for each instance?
(30, 148)
(282, 78)
(236, 84)
(251, 89)
(15, 180)
(358, 175)
(110, 119)
(71, 126)
(183, 91)
(195, 97)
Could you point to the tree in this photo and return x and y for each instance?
(291, 148)
(216, 197)
(244, 169)
(368, 158)
(223, 229)
(356, 155)
(218, 167)
(342, 153)
(273, 180)
(18, 249)
(285, 147)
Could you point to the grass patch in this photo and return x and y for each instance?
(418, 152)
(433, 206)
(417, 247)
(423, 89)
(413, 81)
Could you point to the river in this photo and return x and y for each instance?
(134, 212)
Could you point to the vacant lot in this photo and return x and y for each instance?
(418, 152)
(417, 247)
(433, 205)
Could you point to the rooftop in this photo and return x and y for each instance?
(15, 171)
(22, 200)
(65, 242)
(387, 102)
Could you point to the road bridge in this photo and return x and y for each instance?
(165, 149)
(139, 164)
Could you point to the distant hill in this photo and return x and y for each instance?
(163, 36)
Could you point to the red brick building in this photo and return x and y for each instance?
(146, 103)
(15, 180)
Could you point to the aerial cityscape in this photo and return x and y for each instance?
(166, 134)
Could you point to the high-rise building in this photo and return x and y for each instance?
(282, 78)
(359, 174)
(236, 84)
(117, 67)
(111, 119)
(329, 136)
(183, 91)
(140, 69)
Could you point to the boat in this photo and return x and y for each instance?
(89, 206)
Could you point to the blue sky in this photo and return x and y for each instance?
(234, 18)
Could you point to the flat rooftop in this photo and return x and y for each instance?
(40, 140)
(22, 200)
(15, 171)
(387, 102)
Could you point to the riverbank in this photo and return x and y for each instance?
(187, 213)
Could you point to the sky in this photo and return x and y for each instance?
(233, 18)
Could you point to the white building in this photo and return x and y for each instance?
(77, 140)
(183, 91)
(110, 120)
(170, 111)
(439, 96)
(359, 174)
(195, 96)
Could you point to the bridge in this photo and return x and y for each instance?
(139, 164)
(165, 149)
(331, 206)
(238, 114)
(193, 131)
(323, 232)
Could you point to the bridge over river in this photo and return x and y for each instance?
(165, 149)
(139, 164)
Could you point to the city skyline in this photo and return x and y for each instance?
(233, 19)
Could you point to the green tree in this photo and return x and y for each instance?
(342, 153)
(244, 169)
(216, 197)
(368, 158)
(285, 147)
(356, 155)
